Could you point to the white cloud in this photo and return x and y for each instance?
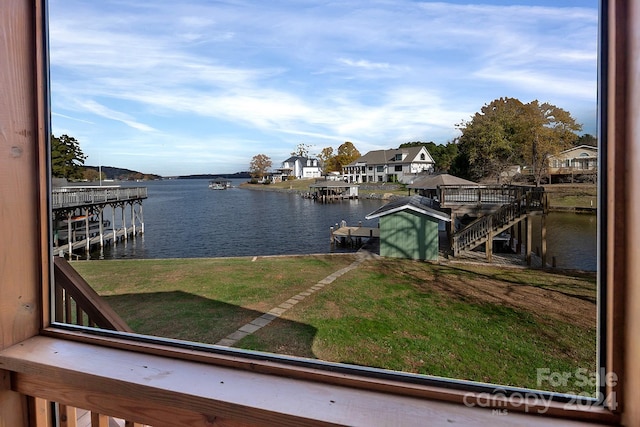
(275, 74)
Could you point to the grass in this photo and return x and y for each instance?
(302, 186)
(479, 323)
(560, 195)
(572, 195)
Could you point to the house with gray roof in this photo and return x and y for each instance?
(394, 165)
(429, 185)
(299, 167)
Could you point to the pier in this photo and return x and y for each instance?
(80, 223)
(330, 191)
(497, 209)
(345, 235)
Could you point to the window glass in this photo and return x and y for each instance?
(172, 124)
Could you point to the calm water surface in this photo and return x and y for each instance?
(185, 219)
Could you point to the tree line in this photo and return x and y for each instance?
(67, 161)
(329, 160)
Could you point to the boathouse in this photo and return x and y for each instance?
(409, 228)
(429, 185)
(329, 191)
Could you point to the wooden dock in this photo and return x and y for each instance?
(345, 235)
(99, 240)
(79, 223)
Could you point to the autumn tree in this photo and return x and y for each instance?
(549, 130)
(347, 153)
(259, 166)
(328, 160)
(507, 132)
(66, 157)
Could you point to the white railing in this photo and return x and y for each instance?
(70, 197)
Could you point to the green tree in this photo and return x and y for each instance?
(66, 158)
(347, 153)
(587, 139)
(491, 141)
(259, 166)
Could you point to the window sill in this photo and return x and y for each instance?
(160, 390)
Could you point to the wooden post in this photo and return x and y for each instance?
(124, 223)
(527, 255)
(519, 243)
(133, 220)
(489, 244)
(113, 225)
(101, 219)
(86, 231)
(331, 236)
(141, 220)
(24, 216)
(69, 240)
(512, 231)
(543, 237)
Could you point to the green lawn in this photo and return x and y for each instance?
(478, 323)
(572, 195)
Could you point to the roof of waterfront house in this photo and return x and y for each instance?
(389, 156)
(434, 181)
(419, 204)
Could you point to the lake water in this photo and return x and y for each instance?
(185, 219)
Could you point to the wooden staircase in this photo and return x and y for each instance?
(487, 227)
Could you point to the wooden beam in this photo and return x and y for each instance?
(23, 191)
(160, 391)
(41, 412)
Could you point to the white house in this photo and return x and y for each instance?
(582, 157)
(395, 165)
(580, 161)
(300, 167)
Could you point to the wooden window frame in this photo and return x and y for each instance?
(154, 383)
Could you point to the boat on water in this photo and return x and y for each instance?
(219, 184)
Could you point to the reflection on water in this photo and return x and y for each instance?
(571, 239)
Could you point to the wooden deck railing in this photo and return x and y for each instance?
(71, 197)
(485, 227)
(481, 194)
(77, 303)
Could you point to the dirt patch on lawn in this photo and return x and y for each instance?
(562, 296)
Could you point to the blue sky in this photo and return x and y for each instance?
(201, 86)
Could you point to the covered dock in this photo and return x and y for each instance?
(345, 235)
(329, 191)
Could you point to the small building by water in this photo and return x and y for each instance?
(328, 191)
(409, 228)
